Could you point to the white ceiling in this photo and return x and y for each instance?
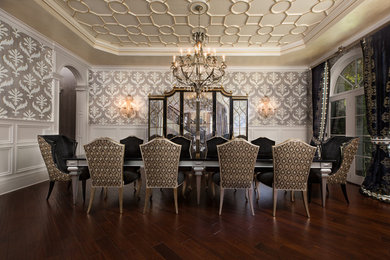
(252, 33)
(148, 27)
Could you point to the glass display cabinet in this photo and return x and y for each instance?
(215, 113)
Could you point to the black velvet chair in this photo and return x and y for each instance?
(212, 153)
(132, 151)
(242, 136)
(154, 136)
(170, 136)
(186, 145)
(55, 149)
(265, 152)
(342, 150)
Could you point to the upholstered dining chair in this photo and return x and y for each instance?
(132, 151)
(154, 136)
(342, 149)
(55, 149)
(265, 152)
(212, 153)
(237, 160)
(105, 162)
(161, 164)
(186, 145)
(292, 160)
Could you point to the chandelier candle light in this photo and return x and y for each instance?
(198, 70)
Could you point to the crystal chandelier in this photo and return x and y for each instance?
(198, 70)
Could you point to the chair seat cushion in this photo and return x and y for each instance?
(180, 178)
(267, 178)
(217, 178)
(315, 176)
(129, 176)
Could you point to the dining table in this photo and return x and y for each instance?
(198, 165)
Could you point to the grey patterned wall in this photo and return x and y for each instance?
(288, 90)
(26, 80)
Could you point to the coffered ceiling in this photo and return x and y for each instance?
(124, 32)
(128, 26)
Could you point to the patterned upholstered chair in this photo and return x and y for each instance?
(186, 145)
(343, 150)
(292, 161)
(161, 161)
(212, 153)
(237, 159)
(55, 149)
(265, 152)
(105, 162)
(132, 151)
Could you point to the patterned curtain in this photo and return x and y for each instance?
(376, 57)
(320, 101)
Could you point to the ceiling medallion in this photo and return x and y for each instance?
(198, 70)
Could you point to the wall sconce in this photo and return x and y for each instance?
(128, 107)
(266, 107)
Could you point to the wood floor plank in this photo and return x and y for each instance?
(31, 227)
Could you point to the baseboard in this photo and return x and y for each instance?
(13, 183)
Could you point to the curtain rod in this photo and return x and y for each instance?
(342, 48)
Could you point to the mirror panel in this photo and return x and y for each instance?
(240, 117)
(173, 114)
(156, 117)
(222, 111)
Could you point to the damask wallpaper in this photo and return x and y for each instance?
(26, 80)
(287, 90)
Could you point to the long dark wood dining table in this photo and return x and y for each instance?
(198, 166)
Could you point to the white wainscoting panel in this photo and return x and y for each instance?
(28, 157)
(5, 160)
(6, 131)
(118, 132)
(279, 133)
(28, 133)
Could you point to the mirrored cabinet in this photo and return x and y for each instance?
(214, 113)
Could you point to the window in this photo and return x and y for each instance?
(347, 110)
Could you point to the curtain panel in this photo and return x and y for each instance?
(376, 61)
(320, 102)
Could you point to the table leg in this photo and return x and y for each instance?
(198, 183)
(73, 172)
(324, 178)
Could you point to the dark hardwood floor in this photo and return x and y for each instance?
(33, 228)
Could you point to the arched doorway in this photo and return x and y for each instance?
(67, 106)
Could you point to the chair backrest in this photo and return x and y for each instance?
(132, 144)
(211, 144)
(237, 160)
(47, 151)
(265, 150)
(348, 152)
(105, 162)
(185, 146)
(292, 161)
(241, 136)
(170, 136)
(161, 163)
(154, 136)
(332, 150)
(62, 147)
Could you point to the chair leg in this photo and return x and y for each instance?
(190, 181)
(275, 196)
(120, 189)
(51, 186)
(91, 196)
(257, 190)
(139, 185)
(250, 195)
(222, 190)
(147, 194)
(105, 192)
(175, 198)
(69, 185)
(183, 189)
(213, 189)
(344, 189)
(304, 193)
(309, 191)
(246, 194)
(83, 185)
(292, 196)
